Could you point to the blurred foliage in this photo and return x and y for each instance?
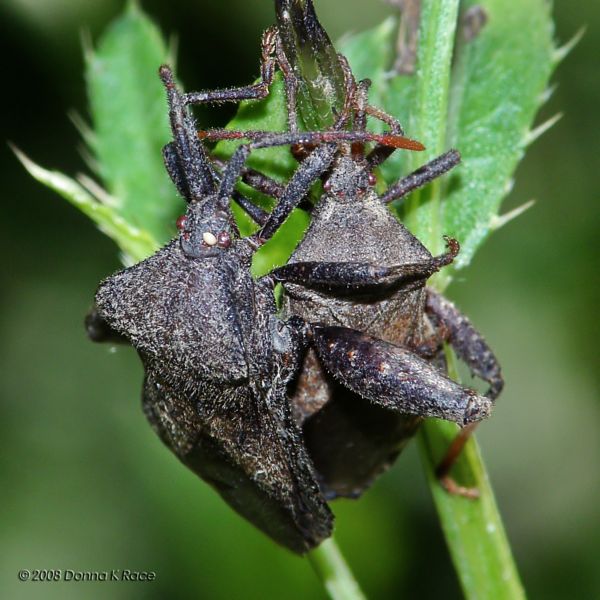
(86, 485)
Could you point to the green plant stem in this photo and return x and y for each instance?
(334, 573)
(428, 119)
(473, 528)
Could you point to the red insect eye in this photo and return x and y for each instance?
(180, 223)
(223, 239)
(372, 179)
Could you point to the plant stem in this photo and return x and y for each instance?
(473, 528)
(428, 118)
(334, 573)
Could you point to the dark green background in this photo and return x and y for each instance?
(85, 483)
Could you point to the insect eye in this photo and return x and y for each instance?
(181, 222)
(372, 179)
(223, 239)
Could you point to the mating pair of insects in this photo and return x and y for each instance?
(282, 410)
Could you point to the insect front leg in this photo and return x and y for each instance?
(471, 348)
(466, 341)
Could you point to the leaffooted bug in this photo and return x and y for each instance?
(218, 361)
(350, 439)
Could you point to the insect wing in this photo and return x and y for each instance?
(314, 61)
(249, 452)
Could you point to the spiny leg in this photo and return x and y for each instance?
(468, 343)
(265, 185)
(262, 183)
(444, 467)
(266, 139)
(471, 348)
(256, 213)
(298, 187)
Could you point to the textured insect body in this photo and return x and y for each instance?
(350, 223)
(352, 440)
(217, 360)
(217, 365)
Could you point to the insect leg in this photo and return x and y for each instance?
(477, 355)
(394, 377)
(272, 55)
(266, 139)
(255, 179)
(422, 176)
(466, 341)
(295, 191)
(194, 176)
(298, 187)
(256, 213)
(265, 185)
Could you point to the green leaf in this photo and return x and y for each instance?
(498, 83)
(135, 243)
(480, 96)
(130, 124)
